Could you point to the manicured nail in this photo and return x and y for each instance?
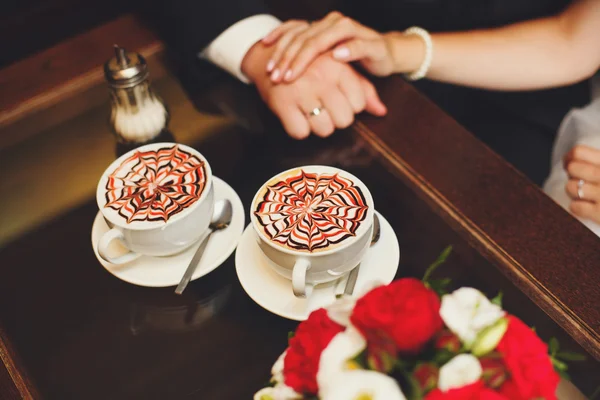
(268, 39)
(341, 53)
(288, 75)
(275, 75)
(270, 65)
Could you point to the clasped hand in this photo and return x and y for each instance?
(297, 47)
(297, 44)
(331, 86)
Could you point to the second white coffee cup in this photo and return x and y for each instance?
(313, 224)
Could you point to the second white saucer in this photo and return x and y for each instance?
(274, 293)
(167, 271)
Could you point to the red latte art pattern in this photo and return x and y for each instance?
(311, 211)
(155, 185)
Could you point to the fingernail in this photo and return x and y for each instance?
(288, 75)
(341, 53)
(275, 75)
(270, 65)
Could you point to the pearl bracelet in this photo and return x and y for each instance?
(421, 72)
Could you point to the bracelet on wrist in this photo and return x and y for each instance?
(421, 72)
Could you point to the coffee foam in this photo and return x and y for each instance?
(310, 211)
(155, 185)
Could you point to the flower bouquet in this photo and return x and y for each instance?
(411, 340)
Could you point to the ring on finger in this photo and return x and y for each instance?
(580, 184)
(316, 111)
(319, 119)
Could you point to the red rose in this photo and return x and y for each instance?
(528, 363)
(426, 375)
(301, 362)
(406, 311)
(447, 340)
(475, 391)
(511, 391)
(494, 371)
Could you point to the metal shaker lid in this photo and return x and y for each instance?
(126, 69)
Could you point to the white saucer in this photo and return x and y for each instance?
(274, 293)
(167, 271)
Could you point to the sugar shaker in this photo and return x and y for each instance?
(138, 116)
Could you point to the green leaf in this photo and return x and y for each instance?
(291, 334)
(559, 365)
(570, 356)
(440, 260)
(553, 346)
(410, 386)
(564, 375)
(360, 358)
(440, 286)
(415, 390)
(441, 357)
(381, 362)
(498, 299)
(401, 364)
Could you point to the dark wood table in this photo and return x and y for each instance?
(71, 330)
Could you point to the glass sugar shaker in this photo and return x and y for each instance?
(138, 116)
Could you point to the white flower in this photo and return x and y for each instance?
(359, 384)
(336, 356)
(341, 309)
(467, 312)
(277, 370)
(279, 392)
(462, 370)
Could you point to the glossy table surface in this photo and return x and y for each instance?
(71, 330)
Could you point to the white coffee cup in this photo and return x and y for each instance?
(178, 178)
(342, 224)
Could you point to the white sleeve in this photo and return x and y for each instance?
(230, 47)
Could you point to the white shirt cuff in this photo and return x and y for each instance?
(230, 47)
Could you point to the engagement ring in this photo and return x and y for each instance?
(315, 111)
(580, 189)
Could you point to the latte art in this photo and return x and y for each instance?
(310, 211)
(155, 185)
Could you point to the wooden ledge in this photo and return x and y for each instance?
(67, 70)
(544, 251)
(67, 79)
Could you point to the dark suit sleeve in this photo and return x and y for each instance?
(188, 26)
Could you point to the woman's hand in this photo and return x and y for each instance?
(582, 163)
(298, 43)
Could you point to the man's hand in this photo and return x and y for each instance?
(333, 86)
